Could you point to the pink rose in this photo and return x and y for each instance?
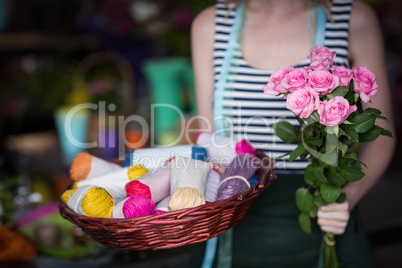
(344, 74)
(303, 102)
(323, 81)
(321, 58)
(365, 83)
(335, 111)
(295, 79)
(274, 87)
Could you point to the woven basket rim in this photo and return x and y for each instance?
(182, 212)
(108, 227)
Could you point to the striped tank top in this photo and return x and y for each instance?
(250, 111)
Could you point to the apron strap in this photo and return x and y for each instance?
(210, 251)
(321, 27)
(225, 244)
(220, 85)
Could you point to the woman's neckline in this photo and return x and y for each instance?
(301, 62)
(304, 62)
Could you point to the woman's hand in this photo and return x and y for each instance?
(333, 218)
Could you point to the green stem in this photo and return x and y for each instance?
(330, 256)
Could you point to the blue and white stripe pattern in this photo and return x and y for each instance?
(250, 110)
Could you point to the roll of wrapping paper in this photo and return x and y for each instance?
(218, 168)
(152, 158)
(238, 176)
(115, 181)
(211, 192)
(91, 201)
(86, 166)
(163, 205)
(188, 179)
(153, 185)
(222, 149)
(117, 212)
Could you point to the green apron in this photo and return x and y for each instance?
(270, 236)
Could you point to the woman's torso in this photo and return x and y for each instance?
(251, 111)
(270, 236)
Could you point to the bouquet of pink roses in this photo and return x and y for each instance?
(327, 101)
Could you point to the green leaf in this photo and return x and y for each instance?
(313, 212)
(305, 223)
(342, 147)
(285, 131)
(340, 91)
(341, 198)
(353, 135)
(307, 132)
(330, 159)
(300, 120)
(372, 111)
(316, 142)
(376, 112)
(350, 155)
(363, 122)
(361, 163)
(304, 155)
(304, 200)
(343, 133)
(348, 143)
(297, 134)
(309, 175)
(297, 152)
(345, 161)
(350, 97)
(334, 177)
(330, 192)
(314, 175)
(328, 155)
(386, 133)
(372, 134)
(282, 156)
(351, 173)
(318, 201)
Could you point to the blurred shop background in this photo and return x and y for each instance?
(121, 56)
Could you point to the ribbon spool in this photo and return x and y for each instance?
(238, 176)
(133, 206)
(91, 201)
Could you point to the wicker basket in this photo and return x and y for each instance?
(175, 228)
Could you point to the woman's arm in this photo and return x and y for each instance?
(202, 40)
(365, 48)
